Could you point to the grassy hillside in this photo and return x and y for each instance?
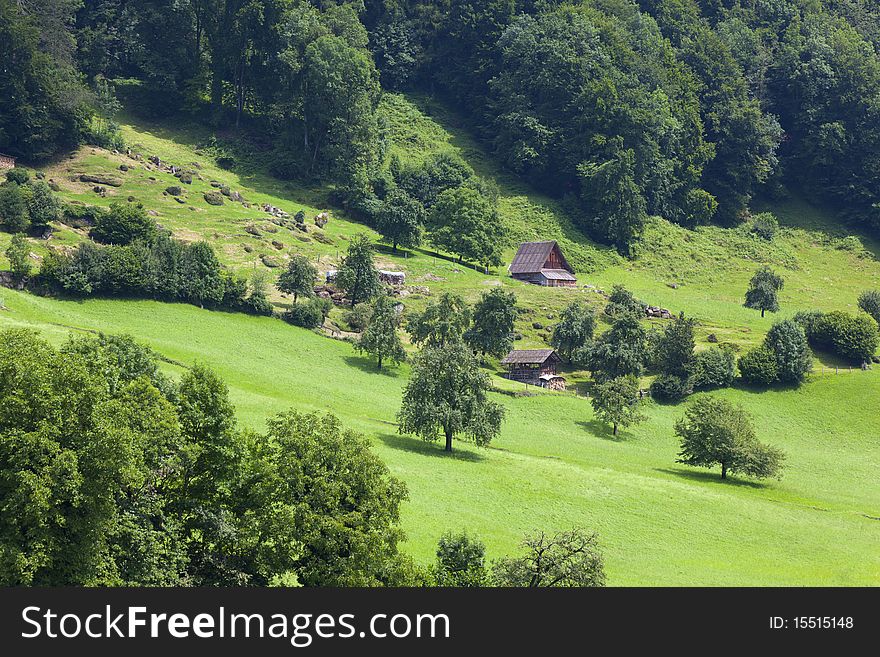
(554, 466)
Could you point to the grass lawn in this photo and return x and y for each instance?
(554, 466)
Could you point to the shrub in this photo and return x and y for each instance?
(42, 205)
(13, 208)
(622, 301)
(714, 368)
(174, 190)
(765, 226)
(869, 301)
(759, 366)
(123, 224)
(18, 176)
(853, 337)
(81, 216)
(308, 314)
(671, 388)
(359, 317)
(788, 342)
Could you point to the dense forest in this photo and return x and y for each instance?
(685, 109)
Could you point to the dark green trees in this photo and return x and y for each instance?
(401, 220)
(123, 224)
(447, 395)
(443, 322)
(715, 432)
(466, 223)
(19, 252)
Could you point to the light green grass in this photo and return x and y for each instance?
(554, 466)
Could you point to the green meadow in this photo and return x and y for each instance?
(554, 465)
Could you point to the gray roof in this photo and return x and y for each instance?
(557, 275)
(527, 356)
(531, 256)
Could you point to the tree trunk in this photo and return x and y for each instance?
(614, 432)
(380, 362)
(394, 246)
(762, 311)
(724, 471)
(448, 447)
(294, 297)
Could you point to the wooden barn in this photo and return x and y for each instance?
(536, 367)
(7, 161)
(542, 263)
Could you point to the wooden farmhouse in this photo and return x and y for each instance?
(542, 263)
(536, 367)
(7, 161)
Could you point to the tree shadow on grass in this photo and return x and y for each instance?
(602, 430)
(369, 366)
(711, 477)
(418, 446)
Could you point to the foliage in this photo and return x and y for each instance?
(622, 301)
(447, 393)
(13, 209)
(18, 175)
(493, 319)
(465, 223)
(444, 322)
(715, 431)
(401, 220)
(123, 224)
(620, 351)
(671, 387)
(788, 341)
(42, 205)
(617, 402)
(714, 368)
(358, 318)
(869, 301)
(308, 314)
(565, 559)
(299, 278)
(763, 290)
(853, 337)
(19, 252)
(765, 225)
(380, 339)
(675, 349)
(461, 561)
(358, 275)
(575, 328)
(759, 366)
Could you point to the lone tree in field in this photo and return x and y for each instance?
(358, 275)
(492, 329)
(401, 220)
(617, 402)
(299, 278)
(447, 394)
(380, 339)
(442, 323)
(18, 252)
(763, 290)
(565, 559)
(714, 431)
(575, 328)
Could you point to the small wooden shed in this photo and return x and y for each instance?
(7, 161)
(536, 367)
(542, 263)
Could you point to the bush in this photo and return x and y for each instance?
(853, 337)
(765, 226)
(714, 368)
(869, 301)
(308, 314)
(123, 224)
(358, 318)
(788, 341)
(13, 208)
(81, 216)
(671, 388)
(42, 205)
(759, 366)
(18, 176)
